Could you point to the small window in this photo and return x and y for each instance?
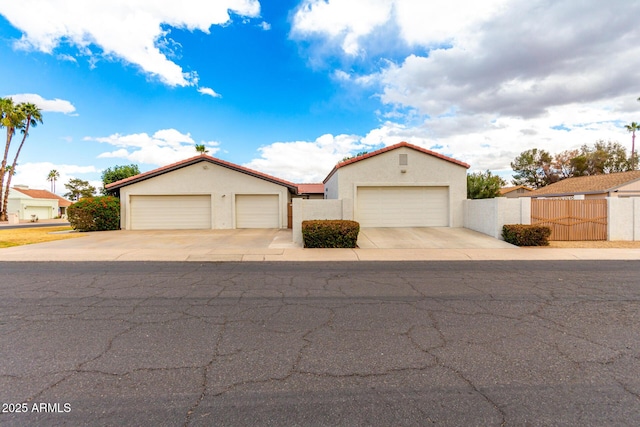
(404, 161)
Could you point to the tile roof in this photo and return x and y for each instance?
(588, 184)
(43, 194)
(393, 147)
(505, 190)
(196, 159)
(311, 188)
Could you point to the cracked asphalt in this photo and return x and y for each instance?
(312, 344)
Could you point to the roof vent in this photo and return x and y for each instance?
(403, 159)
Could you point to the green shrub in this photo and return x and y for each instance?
(526, 235)
(330, 233)
(95, 214)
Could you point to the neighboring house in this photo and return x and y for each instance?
(42, 204)
(515, 192)
(402, 185)
(311, 191)
(203, 192)
(622, 184)
(398, 186)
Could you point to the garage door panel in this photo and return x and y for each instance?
(42, 212)
(257, 211)
(403, 206)
(180, 212)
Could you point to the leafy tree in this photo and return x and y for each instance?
(200, 148)
(31, 115)
(603, 157)
(78, 189)
(484, 185)
(117, 173)
(53, 177)
(563, 163)
(11, 118)
(361, 153)
(534, 168)
(633, 127)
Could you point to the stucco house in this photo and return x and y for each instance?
(622, 184)
(398, 186)
(203, 192)
(42, 204)
(402, 185)
(515, 192)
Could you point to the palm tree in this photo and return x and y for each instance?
(200, 148)
(31, 116)
(633, 127)
(11, 117)
(53, 177)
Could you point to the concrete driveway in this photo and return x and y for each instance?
(427, 238)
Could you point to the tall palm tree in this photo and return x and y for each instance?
(200, 148)
(31, 115)
(53, 177)
(633, 127)
(11, 117)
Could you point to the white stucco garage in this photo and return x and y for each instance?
(203, 193)
(402, 185)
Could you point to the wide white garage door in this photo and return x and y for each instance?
(170, 212)
(403, 206)
(42, 212)
(257, 211)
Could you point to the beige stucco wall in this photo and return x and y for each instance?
(205, 178)
(310, 209)
(384, 170)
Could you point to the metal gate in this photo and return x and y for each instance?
(571, 219)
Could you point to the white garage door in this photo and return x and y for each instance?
(257, 211)
(403, 206)
(42, 212)
(170, 212)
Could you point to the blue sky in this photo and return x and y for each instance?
(291, 87)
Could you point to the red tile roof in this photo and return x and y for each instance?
(591, 184)
(43, 194)
(505, 190)
(393, 147)
(311, 188)
(193, 160)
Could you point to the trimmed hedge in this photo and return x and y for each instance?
(95, 214)
(330, 233)
(526, 235)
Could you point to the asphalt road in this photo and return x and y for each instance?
(312, 344)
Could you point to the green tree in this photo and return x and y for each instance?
(633, 127)
(53, 177)
(11, 118)
(484, 185)
(200, 148)
(601, 158)
(31, 115)
(534, 168)
(78, 189)
(117, 173)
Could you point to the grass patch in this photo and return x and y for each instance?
(28, 236)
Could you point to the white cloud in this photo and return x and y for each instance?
(306, 161)
(209, 91)
(130, 31)
(49, 105)
(35, 175)
(484, 81)
(426, 23)
(163, 147)
(265, 26)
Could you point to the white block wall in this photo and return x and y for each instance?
(489, 215)
(309, 209)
